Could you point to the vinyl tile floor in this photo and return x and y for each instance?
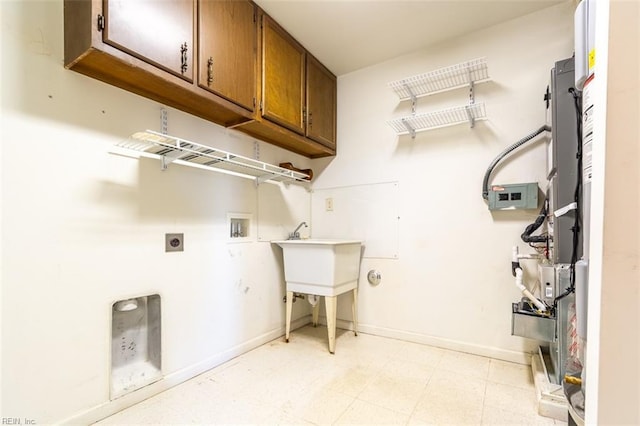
(369, 380)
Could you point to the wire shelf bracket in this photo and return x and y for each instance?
(413, 97)
(173, 150)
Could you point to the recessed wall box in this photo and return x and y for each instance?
(514, 196)
(136, 353)
(240, 226)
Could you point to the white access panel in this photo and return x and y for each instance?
(368, 213)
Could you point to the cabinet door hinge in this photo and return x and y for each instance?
(100, 22)
(260, 105)
(254, 102)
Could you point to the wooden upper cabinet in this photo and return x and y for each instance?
(283, 64)
(227, 41)
(321, 103)
(158, 32)
(211, 59)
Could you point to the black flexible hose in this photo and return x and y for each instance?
(526, 235)
(487, 174)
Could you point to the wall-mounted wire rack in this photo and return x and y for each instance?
(465, 74)
(441, 80)
(434, 120)
(173, 150)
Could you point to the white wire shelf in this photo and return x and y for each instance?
(170, 149)
(437, 119)
(440, 80)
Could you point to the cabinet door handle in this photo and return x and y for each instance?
(210, 71)
(183, 60)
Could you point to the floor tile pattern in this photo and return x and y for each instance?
(370, 380)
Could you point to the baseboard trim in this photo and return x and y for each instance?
(454, 345)
(170, 380)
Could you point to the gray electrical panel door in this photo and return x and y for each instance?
(565, 163)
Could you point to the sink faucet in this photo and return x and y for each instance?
(295, 235)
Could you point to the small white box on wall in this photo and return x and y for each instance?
(240, 227)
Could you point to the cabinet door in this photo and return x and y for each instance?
(282, 77)
(227, 42)
(158, 32)
(321, 103)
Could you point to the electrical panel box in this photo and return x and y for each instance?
(514, 196)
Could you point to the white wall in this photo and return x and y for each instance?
(82, 228)
(452, 283)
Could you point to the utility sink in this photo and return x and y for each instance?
(321, 267)
(325, 268)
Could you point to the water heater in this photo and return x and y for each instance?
(584, 39)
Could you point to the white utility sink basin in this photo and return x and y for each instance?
(323, 268)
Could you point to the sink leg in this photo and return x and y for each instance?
(330, 303)
(288, 319)
(354, 311)
(314, 314)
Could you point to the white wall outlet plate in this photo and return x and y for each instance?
(328, 204)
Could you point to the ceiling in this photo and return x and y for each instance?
(347, 35)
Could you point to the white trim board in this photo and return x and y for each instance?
(454, 345)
